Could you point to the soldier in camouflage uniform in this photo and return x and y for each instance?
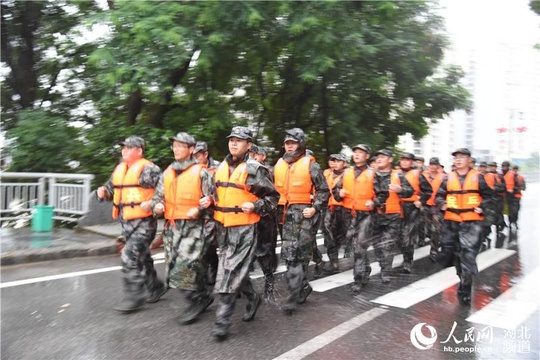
(433, 214)
(295, 175)
(389, 186)
(131, 188)
(412, 222)
(202, 155)
(244, 194)
(356, 191)
(265, 253)
(176, 198)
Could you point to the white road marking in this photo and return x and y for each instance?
(513, 307)
(318, 342)
(424, 289)
(346, 277)
(63, 276)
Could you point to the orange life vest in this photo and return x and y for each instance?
(520, 185)
(332, 181)
(293, 182)
(128, 193)
(182, 192)
(413, 177)
(435, 185)
(232, 192)
(461, 201)
(509, 180)
(393, 203)
(358, 190)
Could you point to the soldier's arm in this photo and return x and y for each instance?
(440, 198)
(261, 185)
(159, 196)
(381, 191)
(337, 187)
(487, 193)
(322, 192)
(406, 188)
(208, 188)
(150, 176)
(425, 189)
(107, 191)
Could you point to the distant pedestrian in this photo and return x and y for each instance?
(131, 188)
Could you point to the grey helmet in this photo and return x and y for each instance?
(296, 134)
(183, 137)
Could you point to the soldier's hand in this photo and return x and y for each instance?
(101, 192)
(146, 205)
(418, 204)
(248, 207)
(342, 193)
(478, 210)
(443, 208)
(205, 202)
(369, 204)
(193, 213)
(395, 188)
(309, 212)
(159, 209)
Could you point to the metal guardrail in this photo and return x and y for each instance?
(67, 193)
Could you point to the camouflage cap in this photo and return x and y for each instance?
(419, 158)
(241, 132)
(483, 164)
(184, 137)
(505, 163)
(493, 163)
(463, 151)
(295, 134)
(338, 157)
(384, 152)
(372, 159)
(254, 149)
(434, 161)
(133, 141)
(407, 155)
(200, 146)
(259, 150)
(362, 147)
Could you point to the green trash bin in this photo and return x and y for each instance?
(42, 218)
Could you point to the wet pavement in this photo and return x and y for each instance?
(62, 309)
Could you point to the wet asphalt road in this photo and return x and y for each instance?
(72, 318)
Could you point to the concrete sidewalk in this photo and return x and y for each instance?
(19, 246)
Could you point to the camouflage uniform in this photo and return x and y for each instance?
(360, 232)
(137, 263)
(298, 235)
(433, 216)
(185, 242)
(386, 227)
(461, 241)
(412, 222)
(237, 245)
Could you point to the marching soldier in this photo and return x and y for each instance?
(177, 197)
(295, 175)
(433, 213)
(131, 188)
(494, 215)
(463, 195)
(412, 206)
(244, 194)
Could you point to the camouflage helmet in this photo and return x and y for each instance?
(297, 135)
(183, 137)
(133, 141)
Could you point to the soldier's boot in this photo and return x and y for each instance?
(133, 298)
(361, 281)
(319, 266)
(465, 289)
(385, 277)
(304, 293)
(225, 309)
(251, 307)
(157, 293)
(290, 304)
(197, 306)
(407, 266)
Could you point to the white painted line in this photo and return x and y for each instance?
(63, 276)
(318, 342)
(424, 289)
(513, 307)
(346, 277)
